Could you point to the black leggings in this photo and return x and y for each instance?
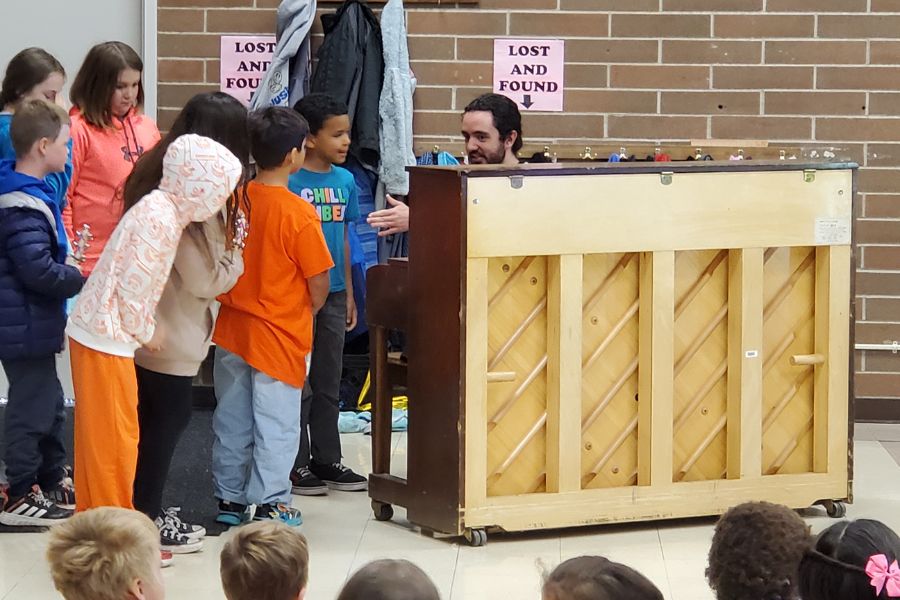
(164, 410)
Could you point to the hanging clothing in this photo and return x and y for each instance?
(396, 105)
(351, 69)
(287, 79)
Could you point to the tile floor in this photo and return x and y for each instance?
(343, 536)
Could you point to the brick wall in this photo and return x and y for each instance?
(817, 74)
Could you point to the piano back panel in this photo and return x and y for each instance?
(608, 227)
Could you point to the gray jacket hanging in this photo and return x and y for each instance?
(396, 102)
(287, 79)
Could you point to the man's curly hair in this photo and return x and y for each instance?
(756, 551)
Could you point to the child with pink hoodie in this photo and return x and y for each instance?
(114, 314)
(109, 134)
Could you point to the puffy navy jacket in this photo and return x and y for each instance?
(34, 284)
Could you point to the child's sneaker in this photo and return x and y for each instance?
(232, 513)
(170, 517)
(33, 509)
(305, 483)
(166, 558)
(173, 541)
(338, 477)
(62, 494)
(4, 495)
(278, 512)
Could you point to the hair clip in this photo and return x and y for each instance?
(884, 576)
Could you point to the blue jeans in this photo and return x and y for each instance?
(257, 431)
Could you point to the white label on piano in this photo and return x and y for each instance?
(832, 232)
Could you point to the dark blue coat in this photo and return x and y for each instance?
(34, 282)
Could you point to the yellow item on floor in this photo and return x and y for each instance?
(398, 401)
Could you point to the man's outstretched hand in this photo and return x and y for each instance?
(390, 220)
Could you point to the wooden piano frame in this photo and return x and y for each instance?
(604, 343)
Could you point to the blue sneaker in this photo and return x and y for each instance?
(278, 512)
(232, 513)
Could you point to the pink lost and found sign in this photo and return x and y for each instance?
(245, 59)
(530, 72)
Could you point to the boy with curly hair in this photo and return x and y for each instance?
(756, 551)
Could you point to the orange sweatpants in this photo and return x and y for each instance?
(106, 428)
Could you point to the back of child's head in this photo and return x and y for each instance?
(98, 77)
(25, 70)
(389, 580)
(215, 115)
(836, 569)
(265, 560)
(33, 121)
(755, 552)
(597, 578)
(100, 554)
(318, 108)
(274, 132)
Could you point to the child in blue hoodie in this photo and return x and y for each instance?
(33, 74)
(35, 281)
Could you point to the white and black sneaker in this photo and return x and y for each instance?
(173, 541)
(339, 477)
(304, 483)
(171, 517)
(33, 509)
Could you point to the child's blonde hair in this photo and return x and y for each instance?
(265, 559)
(98, 554)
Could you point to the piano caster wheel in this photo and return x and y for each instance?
(835, 509)
(476, 537)
(382, 511)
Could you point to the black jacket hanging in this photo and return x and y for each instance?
(351, 68)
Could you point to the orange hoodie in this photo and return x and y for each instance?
(101, 161)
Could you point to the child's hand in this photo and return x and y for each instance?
(156, 342)
(351, 312)
(73, 262)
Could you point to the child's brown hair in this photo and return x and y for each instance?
(98, 554)
(33, 121)
(28, 68)
(97, 79)
(267, 560)
(597, 578)
(389, 580)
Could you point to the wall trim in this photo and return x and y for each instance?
(151, 56)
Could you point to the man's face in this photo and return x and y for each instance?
(483, 143)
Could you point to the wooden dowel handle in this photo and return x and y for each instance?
(501, 376)
(807, 359)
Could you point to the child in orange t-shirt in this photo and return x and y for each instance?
(264, 331)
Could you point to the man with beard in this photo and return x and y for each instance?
(492, 128)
